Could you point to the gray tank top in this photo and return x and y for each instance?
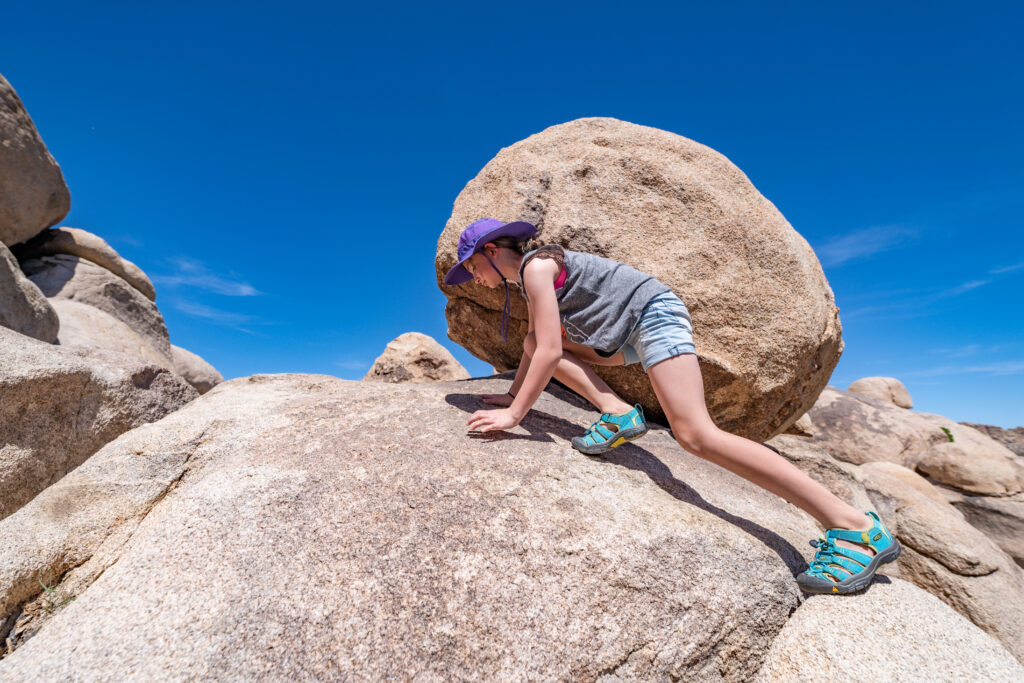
(601, 300)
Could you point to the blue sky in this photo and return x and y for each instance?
(282, 171)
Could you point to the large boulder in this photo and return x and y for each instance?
(65, 276)
(77, 242)
(767, 328)
(888, 389)
(23, 308)
(33, 195)
(416, 358)
(87, 327)
(195, 369)
(892, 632)
(253, 534)
(948, 557)
(59, 406)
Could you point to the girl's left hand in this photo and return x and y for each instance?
(488, 420)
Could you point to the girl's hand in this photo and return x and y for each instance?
(488, 420)
(504, 400)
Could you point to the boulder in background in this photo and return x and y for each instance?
(33, 195)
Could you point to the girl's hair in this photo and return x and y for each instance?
(552, 251)
(520, 247)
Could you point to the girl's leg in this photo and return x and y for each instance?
(573, 372)
(679, 387)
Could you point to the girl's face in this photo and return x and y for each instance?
(481, 270)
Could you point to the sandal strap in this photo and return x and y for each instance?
(854, 555)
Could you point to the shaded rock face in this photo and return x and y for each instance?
(766, 325)
(77, 242)
(33, 195)
(895, 632)
(888, 389)
(84, 326)
(195, 370)
(23, 308)
(1011, 438)
(395, 543)
(70, 277)
(58, 406)
(416, 358)
(1002, 520)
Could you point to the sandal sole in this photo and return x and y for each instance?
(631, 434)
(863, 579)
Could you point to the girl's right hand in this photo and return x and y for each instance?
(504, 400)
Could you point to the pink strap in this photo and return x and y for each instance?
(561, 279)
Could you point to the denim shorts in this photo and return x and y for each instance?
(663, 331)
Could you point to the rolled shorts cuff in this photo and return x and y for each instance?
(664, 330)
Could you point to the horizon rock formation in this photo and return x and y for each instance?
(765, 321)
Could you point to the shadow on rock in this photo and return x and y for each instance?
(540, 426)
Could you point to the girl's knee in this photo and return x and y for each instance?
(696, 439)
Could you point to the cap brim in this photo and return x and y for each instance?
(457, 275)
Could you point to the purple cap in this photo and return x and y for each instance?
(477, 235)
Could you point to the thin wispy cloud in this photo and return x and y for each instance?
(914, 306)
(1012, 367)
(965, 287)
(226, 318)
(353, 364)
(969, 350)
(1007, 269)
(862, 243)
(192, 273)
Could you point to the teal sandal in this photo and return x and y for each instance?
(836, 569)
(611, 431)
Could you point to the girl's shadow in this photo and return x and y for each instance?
(540, 426)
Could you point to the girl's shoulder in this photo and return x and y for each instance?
(548, 251)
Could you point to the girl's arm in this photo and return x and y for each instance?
(505, 400)
(538, 278)
(524, 363)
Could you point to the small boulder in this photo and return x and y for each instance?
(891, 632)
(23, 308)
(802, 427)
(415, 358)
(888, 389)
(64, 276)
(195, 369)
(33, 195)
(77, 242)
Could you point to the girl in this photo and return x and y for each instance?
(587, 310)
